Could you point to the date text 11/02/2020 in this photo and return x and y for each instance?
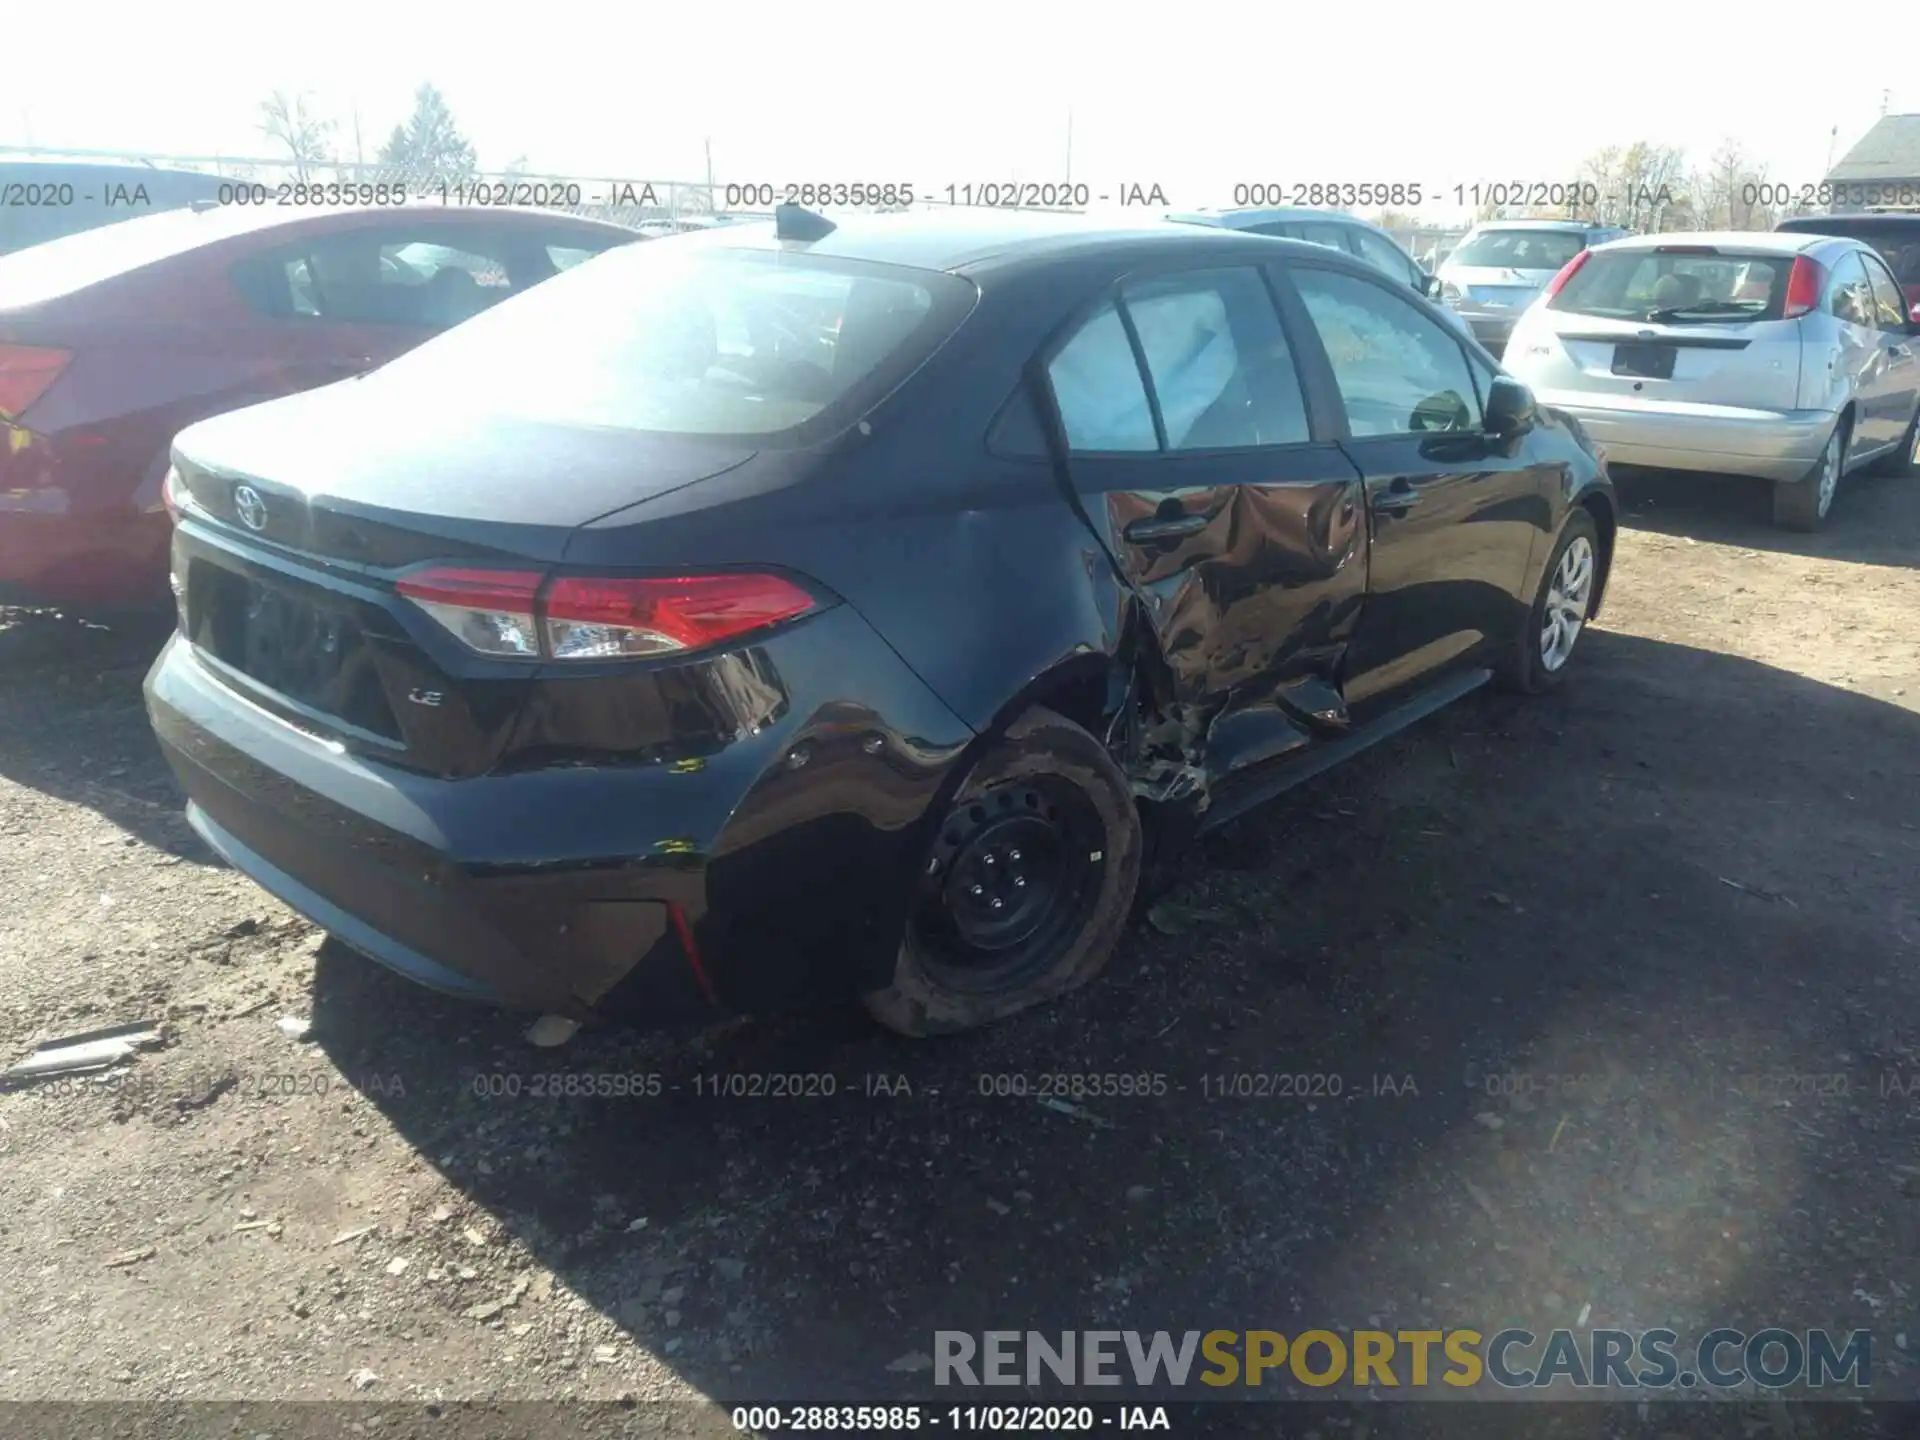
(1583, 196)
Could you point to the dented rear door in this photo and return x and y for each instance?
(1189, 445)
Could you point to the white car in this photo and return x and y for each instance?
(1790, 358)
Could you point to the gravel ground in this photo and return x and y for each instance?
(1582, 970)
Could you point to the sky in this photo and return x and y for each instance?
(1196, 98)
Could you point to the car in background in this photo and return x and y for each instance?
(1498, 269)
(43, 200)
(1342, 232)
(1895, 235)
(802, 612)
(1787, 357)
(114, 339)
(1346, 233)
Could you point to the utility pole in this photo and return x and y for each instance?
(1069, 174)
(1831, 140)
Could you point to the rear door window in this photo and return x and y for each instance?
(1889, 307)
(1399, 371)
(1218, 361)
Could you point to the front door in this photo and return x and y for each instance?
(1454, 514)
(1230, 512)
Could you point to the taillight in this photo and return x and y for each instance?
(600, 618)
(1566, 273)
(25, 373)
(1804, 283)
(173, 494)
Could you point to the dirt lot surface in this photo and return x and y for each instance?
(1619, 991)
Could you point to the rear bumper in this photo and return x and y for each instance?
(635, 892)
(1765, 444)
(1492, 329)
(50, 556)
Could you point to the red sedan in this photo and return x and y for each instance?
(113, 340)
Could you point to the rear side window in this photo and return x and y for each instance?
(1520, 249)
(696, 340)
(1889, 308)
(1383, 253)
(1399, 371)
(1677, 286)
(1097, 386)
(1218, 361)
(1320, 232)
(1852, 298)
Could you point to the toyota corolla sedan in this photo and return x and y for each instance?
(806, 611)
(1786, 357)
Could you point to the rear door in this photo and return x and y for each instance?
(1218, 486)
(1865, 356)
(1898, 390)
(1453, 519)
(1386, 257)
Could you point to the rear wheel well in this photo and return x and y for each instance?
(1601, 509)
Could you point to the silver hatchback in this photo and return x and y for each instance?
(1790, 358)
(1496, 271)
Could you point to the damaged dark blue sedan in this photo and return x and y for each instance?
(805, 611)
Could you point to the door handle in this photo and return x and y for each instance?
(1396, 499)
(1169, 527)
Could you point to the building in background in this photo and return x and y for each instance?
(1882, 171)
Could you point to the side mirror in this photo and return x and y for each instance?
(1510, 407)
(1430, 287)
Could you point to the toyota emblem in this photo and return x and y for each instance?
(251, 509)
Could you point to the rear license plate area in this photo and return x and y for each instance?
(312, 654)
(1644, 362)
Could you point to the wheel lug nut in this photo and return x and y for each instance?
(1019, 882)
(978, 891)
(987, 859)
(998, 902)
(1013, 855)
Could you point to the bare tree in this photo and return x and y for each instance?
(1731, 193)
(290, 121)
(1642, 187)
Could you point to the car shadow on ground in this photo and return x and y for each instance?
(1528, 1017)
(73, 727)
(1871, 523)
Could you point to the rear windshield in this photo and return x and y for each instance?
(689, 338)
(1520, 249)
(1676, 288)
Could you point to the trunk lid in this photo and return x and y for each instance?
(1491, 285)
(305, 511)
(1751, 365)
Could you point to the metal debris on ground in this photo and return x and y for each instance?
(551, 1030)
(77, 1054)
(295, 1027)
(1062, 1107)
(1757, 892)
(1170, 918)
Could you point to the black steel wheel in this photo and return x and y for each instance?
(1026, 885)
